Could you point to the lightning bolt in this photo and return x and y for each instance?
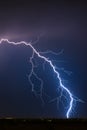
(32, 73)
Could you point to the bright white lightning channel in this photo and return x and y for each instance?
(39, 54)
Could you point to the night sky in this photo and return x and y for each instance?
(59, 25)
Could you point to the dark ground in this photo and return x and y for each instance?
(43, 124)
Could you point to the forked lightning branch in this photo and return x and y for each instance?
(40, 55)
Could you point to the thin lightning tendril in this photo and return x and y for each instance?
(32, 73)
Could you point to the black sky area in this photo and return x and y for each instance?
(59, 25)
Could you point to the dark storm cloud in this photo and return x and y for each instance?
(54, 19)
